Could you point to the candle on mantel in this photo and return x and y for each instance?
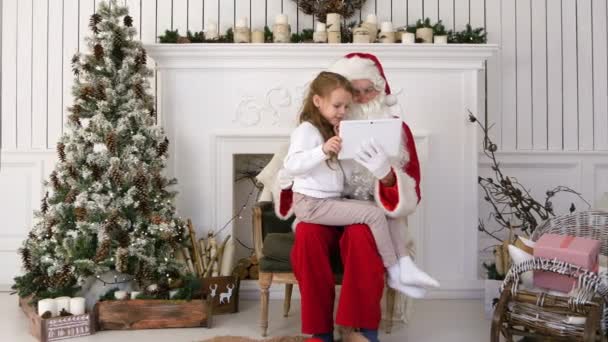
(280, 19)
(241, 22)
(77, 305)
(211, 31)
(333, 22)
(371, 18)
(257, 36)
(320, 34)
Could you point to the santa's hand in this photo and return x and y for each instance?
(372, 157)
(285, 179)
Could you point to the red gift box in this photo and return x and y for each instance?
(578, 251)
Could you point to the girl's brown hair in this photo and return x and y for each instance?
(322, 85)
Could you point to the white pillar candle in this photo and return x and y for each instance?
(333, 22)
(372, 19)
(211, 30)
(77, 305)
(257, 36)
(440, 39)
(120, 295)
(241, 22)
(280, 19)
(134, 294)
(63, 303)
(47, 304)
(386, 26)
(321, 27)
(408, 38)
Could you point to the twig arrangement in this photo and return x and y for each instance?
(513, 207)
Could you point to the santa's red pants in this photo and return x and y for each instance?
(362, 283)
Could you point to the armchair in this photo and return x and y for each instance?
(273, 240)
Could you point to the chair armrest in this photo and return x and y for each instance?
(258, 238)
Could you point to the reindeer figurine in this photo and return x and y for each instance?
(226, 295)
(213, 289)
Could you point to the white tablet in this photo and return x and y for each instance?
(386, 132)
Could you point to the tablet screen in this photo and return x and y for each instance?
(386, 132)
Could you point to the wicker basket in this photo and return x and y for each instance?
(525, 313)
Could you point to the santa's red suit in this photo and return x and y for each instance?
(363, 279)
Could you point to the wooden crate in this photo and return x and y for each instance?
(57, 328)
(222, 292)
(152, 314)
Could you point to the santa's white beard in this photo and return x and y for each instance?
(374, 109)
(361, 184)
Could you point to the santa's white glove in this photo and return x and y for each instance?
(372, 157)
(285, 179)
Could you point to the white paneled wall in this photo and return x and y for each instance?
(547, 89)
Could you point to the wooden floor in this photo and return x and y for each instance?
(433, 321)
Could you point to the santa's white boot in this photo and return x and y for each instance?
(411, 275)
(394, 281)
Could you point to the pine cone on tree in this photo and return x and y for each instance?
(26, 258)
(98, 51)
(80, 213)
(75, 119)
(95, 19)
(61, 151)
(55, 180)
(71, 196)
(75, 68)
(141, 59)
(76, 109)
(162, 148)
(101, 91)
(139, 90)
(44, 206)
(141, 182)
(128, 21)
(72, 171)
(144, 274)
(112, 143)
(87, 92)
(102, 251)
(96, 171)
(116, 177)
(156, 219)
(62, 278)
(122, 262)
(158, 181)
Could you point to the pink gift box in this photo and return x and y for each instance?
(578, 251)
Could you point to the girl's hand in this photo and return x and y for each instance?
(333, 145)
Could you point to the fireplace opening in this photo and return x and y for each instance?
(246, 192)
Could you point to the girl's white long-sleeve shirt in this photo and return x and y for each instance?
(306, 162)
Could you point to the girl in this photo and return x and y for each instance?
(319, 177)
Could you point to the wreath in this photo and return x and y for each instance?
(320, 8)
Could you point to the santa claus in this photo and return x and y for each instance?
(394, 184)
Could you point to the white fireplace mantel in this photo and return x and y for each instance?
(218, 100)
(290, 56)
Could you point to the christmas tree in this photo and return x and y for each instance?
(107, 205)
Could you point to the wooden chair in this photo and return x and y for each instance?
(525, 313)
(273, 239)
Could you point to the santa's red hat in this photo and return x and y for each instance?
(364, 66)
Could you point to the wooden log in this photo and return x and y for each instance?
(195, 250)
(152, 314)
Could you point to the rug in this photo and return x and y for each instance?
(350, 337)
